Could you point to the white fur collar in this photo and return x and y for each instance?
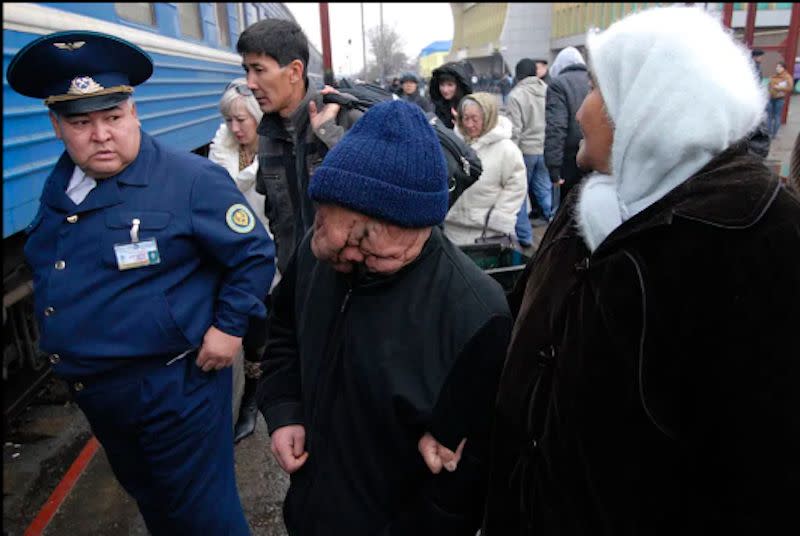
(597, 211)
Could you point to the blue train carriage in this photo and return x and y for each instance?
(193, 46)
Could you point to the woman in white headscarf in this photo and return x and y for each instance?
(650, 386)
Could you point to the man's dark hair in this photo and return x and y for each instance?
(757, 52)
(540, 60)
(782, 64)
(282, 40)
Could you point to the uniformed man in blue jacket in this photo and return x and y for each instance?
(147, 267)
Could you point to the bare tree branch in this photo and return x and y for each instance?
(388, 58)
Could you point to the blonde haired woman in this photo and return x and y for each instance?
(235, 147)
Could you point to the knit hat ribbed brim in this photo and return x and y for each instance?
(389, 166)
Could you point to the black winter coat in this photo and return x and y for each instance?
(651, 387)
(419, 100)
(565, 94)
(368, 364)
(441, 106)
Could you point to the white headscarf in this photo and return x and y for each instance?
(679, 91)
(567, 57)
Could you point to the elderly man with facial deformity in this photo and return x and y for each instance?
(385, 346)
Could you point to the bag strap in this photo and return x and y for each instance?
(486, 223)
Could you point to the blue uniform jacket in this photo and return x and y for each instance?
(212, 270)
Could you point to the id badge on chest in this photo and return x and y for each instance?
(137, 253)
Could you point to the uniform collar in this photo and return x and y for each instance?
(107, 192)
(136, 172)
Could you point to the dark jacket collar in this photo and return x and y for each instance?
(367, 281)
(732, 191)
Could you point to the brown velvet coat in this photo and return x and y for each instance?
(653, 386)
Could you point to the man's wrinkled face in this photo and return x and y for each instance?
(345, 238)
(101, 143)
(409, 87)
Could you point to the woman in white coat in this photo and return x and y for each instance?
(235, 147)
(489, 207)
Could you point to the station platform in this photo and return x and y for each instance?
(57, 480)
(97, 504)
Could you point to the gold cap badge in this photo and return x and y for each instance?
(84, 85)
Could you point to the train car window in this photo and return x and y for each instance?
(141, 12)
(223, 24)
(189, 14)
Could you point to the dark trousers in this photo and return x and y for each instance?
(774, 113)
(167, 432)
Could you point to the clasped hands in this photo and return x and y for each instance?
(288, 448)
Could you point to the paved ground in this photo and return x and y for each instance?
(783, 144)
(98, 505)
(43, 443)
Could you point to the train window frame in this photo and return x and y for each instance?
(199, 22)
(223, 22)
(126, 16)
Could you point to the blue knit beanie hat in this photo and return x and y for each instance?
(389, 166)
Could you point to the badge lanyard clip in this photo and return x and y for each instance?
(135, 230)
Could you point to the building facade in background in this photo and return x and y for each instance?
(432, 56)
(493, 37)
(571, 20)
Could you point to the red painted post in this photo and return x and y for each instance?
(790, 52)
(727, 14)
(327, 62)
(750, 26)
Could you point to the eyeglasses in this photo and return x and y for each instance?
(241, 89)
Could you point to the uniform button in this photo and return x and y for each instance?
(55, 358)
(49, 311)
(73, 218)
(322, 131)
(78, 386)
(60, 265)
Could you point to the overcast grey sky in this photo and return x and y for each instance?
(417, 24)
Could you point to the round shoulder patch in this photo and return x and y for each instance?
(240, 218)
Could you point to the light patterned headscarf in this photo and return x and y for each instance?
(488, 105)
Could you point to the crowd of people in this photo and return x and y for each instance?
(639, 379)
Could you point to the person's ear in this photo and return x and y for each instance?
(295, 68)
